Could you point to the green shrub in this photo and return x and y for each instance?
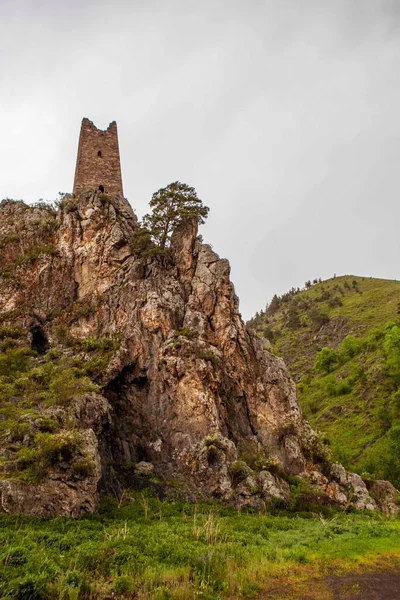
(293, 317)
(15, 430)
(304, 320)
(285, 429)
(123, 584)
(213, 454)
(11, 332)
(58, 447)
(350, 347)
(339, 388)
(93, 367)
(335, 302)
(396, 404)
(83, 467)
(209, 570)
(68, 204)
(46, 424)
(316, 449)
(238, 471)
(49, 451)
(88, 344)
(15, 361)
(7, 344)
(257, 458)
(185, 332)
(30, 587)
(209, 357)
(326, 360)
(73, 585)
(11, 238)
(391, 466)
(33, 253)
(7, 272)
(141, 243)
(16, 556)
(391, 347)
(82, 310)
(304, 496)
(63, 335)
(67, 384)
(104, 198)
(26, 457)
(214, 440)
(97, 344)
(318, 319)
(44, 205)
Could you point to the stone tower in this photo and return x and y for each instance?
(98, 164)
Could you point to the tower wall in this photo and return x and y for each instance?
(98, 164)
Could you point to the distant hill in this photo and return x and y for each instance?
(351, 392)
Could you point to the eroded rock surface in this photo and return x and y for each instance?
(187, 392)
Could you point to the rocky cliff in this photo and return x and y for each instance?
(118, 370)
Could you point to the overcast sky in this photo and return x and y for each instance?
(283, 114)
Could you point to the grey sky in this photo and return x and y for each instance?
(283, 114)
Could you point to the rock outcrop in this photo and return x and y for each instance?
(162, 371)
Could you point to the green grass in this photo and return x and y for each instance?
(376, 302)
(170, 549)
(355, 400)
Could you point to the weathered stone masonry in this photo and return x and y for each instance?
(98, 163)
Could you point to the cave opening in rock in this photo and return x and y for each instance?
(141, 382)
(123, 442)
(101, 188)
(39, 342)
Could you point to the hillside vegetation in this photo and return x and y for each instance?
(341, 341)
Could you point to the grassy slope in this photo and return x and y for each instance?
(356, 420)
(375, 303)
(169, 549)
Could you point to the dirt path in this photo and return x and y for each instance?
(380, 584)
(371, 586)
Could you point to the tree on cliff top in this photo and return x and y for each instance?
(171, 206)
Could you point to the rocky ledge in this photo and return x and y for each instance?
(118, 371)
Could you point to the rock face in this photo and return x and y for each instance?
(186, 392)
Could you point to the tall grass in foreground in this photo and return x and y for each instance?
(169, 549)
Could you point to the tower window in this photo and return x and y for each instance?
(99, 154)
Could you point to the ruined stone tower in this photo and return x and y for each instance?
(98, 163)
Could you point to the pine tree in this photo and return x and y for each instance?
(171, 206)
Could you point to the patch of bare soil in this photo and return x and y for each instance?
(382, 583)
(371, 586)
